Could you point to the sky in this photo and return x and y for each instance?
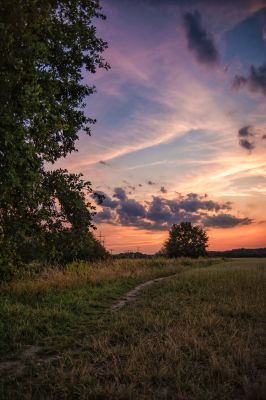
(181, 123)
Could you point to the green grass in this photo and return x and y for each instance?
(56, 301)
(199, 335)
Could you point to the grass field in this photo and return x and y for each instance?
(201, 334)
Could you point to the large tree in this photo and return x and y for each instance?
(186, 240)
(45, 48)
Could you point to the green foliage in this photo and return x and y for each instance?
(65, 219)
(44, 48)
(186, 240)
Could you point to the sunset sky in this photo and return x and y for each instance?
(181, 123)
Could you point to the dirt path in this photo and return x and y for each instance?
(40, 355)
(131, 296)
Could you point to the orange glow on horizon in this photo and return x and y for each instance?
(248, 236)
(120, 239)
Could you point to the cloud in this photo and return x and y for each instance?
(194, 202)
(104, 216)
(246, 144)
(200, 42)
(130, 213)
(160, 214)
(120, 193)
(132, 208)
(255, 82)
(163, 190)
(245, 132)
(151, 183)
(225, 221)
(159, 211)
(107, 201)
(129, 186)
(248, 136)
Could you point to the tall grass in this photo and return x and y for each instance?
(41, 305)
(81, 272)
(200, 335)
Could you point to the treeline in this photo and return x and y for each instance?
(239, 253)
(234, 253)
(132, 254)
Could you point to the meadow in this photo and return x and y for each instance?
(200, 334)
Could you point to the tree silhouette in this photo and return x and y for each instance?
(45, 48)
(186, 240)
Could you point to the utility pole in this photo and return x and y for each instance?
(101, 238)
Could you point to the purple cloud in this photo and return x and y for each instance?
(200, 42)
(255, 81)
(161, 213)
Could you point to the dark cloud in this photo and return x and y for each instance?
(246, 144)
(105, 200)
(104, 216)
(255, 81)
(245, 132)
(194, 204)
(161, 213)
(131, 213)
(199, 40)
(249, 136)
(132, 208)
(120, 193)
(225, 221)
(151, 183)
(140, 185)
(163, 190)
(159, 210)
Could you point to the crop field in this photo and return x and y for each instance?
(198, 334)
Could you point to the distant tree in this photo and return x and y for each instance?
(45, 46)
(186, 240)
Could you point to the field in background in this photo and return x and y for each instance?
(199, 335)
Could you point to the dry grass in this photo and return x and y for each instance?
(80, 273)
(200, 335)
(40, 306)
